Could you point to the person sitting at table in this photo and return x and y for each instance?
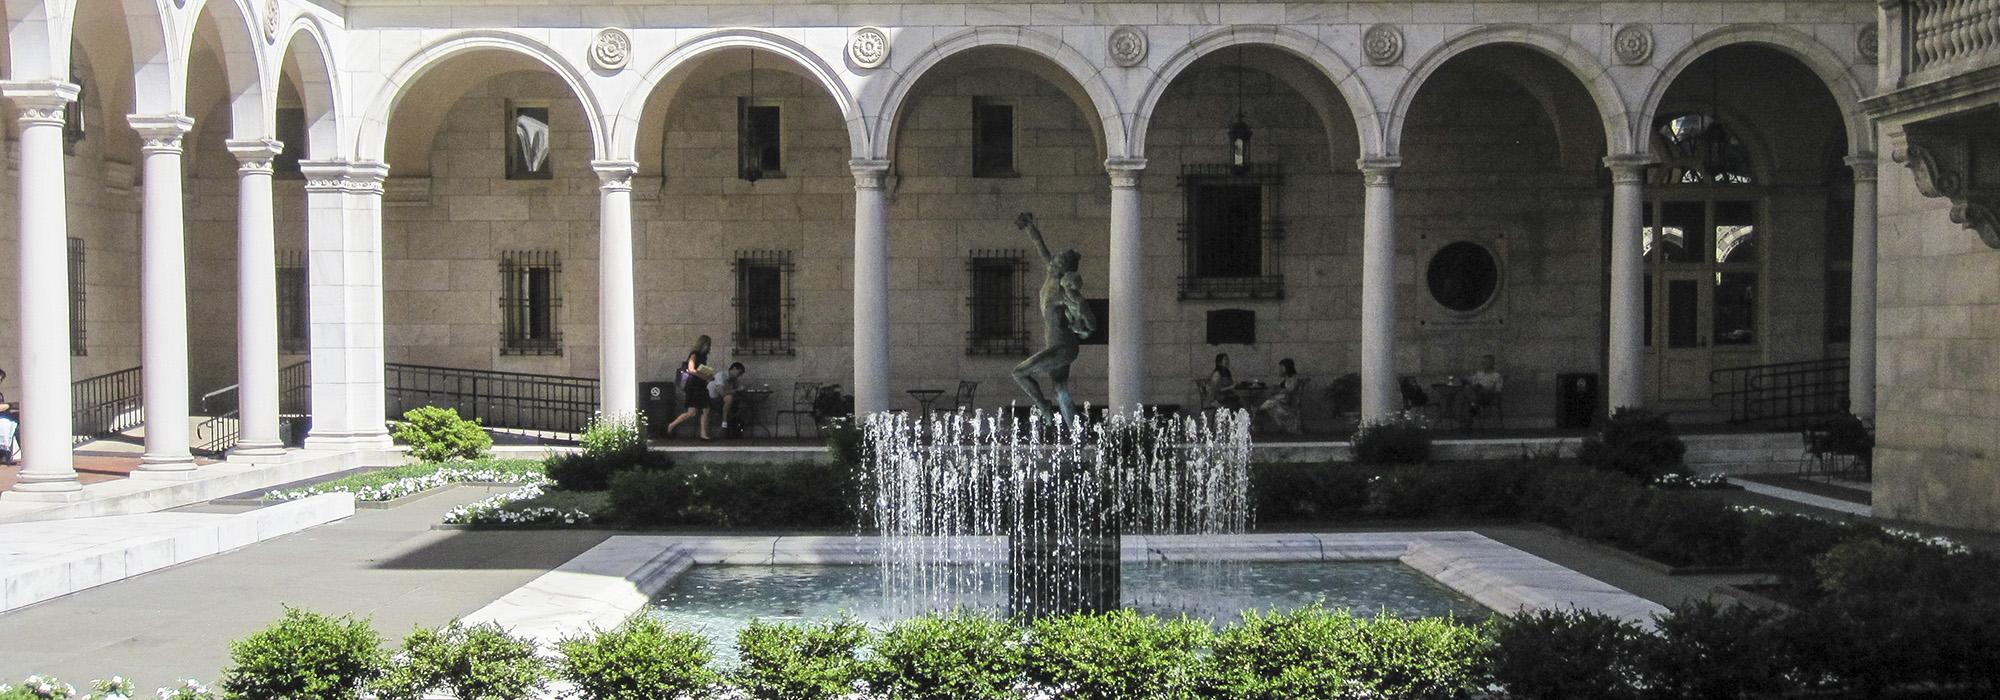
(1222, 386)
(723, 389)
(1277, 408)
(1485, 385)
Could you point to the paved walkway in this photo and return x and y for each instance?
(384, 564)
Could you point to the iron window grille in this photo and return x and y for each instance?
(530, 297)
(78, 338)
(294, 327)
(999, 303)
(764, 303)
(1232, 232)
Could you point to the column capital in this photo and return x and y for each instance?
(39, 101)
(1125, 172)
(160, 133)
(254, 156)
(1628, 167)
(868, 172)
(1379, 171)
(1863, 164)
(615, 175)
(339, 176)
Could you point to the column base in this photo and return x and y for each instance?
(350, 441)
(258, 452)
(18, 494)
(167, 471)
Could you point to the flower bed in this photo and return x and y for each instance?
(503, 510)
(391, 484)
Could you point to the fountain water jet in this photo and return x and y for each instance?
(971, 506)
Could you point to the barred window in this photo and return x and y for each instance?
(764, 303)
(530, 296)
(294, 334)
(992, 138)
(999, 303)
(78, 345)
(1231, 231)
(760, 139)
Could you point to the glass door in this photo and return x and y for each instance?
(1702, 259)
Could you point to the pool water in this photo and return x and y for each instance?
(718, 601)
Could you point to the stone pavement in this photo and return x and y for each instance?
(178, 622)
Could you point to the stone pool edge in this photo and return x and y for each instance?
(608, 583)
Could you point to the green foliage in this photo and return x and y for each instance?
(1117, 655)
(1704, 650)
(639, 660)
(616, 434)
(1636, 442)
(799, 662)
(481, 662)
(793, 495)
(1562, 655)
(592, 470)
(1404, 438)
(1307, 492)
(844, 440)
(437, 434)
(304, 656)
(1312, 652)
(955, 656)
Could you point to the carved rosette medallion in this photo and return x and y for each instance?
(1382, 44)
(1632, 44)
(868, 48)
(1128, 46)
(1868, 42)
(611, 50)
(270, 21)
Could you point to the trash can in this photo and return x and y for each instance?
(1576, 399)
(656, 400)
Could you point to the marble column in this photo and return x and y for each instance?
(871, 287)
(1380, 395)
(1861, 331)
(163, 296)
(1625, 352)
(1127, 325)
(617, 329)
(256, 300)
(47, 471)
(344, 279)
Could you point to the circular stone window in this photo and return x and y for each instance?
(1463, 276)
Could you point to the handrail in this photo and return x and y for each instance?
(540, 403)
(1787, 394)
(224, 427)
(106, 404)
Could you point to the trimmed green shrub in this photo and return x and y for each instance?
(437, 434)
(844, 440)
(1563, 655)
(1312, 652)
(1422, 659)
(1704, 650)
(481, 662)
(1404, 438)
(799, 662)
(639, 660)
(956, 656)
(793, 495)
(1117, 655)
(1637, 442)
(305, 656)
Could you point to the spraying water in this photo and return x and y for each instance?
(976, 508)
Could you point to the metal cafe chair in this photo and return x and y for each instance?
(964, 399)
(803, 394)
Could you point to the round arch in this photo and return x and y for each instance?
(374, 133)
(318, 84)
(674, 66)
(30, 52)
(1808, 51)
(1087, 76)
(1337, 70)
(245, 73)
(1611, 107)
(159, 61)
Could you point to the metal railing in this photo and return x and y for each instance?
(106, 405)
(539, 403)
(1784, 394)
(224, 427)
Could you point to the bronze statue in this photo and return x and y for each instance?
(1067, 319)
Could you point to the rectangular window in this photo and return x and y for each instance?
(1232, 233)
(1647, 304)
(764, 303)
(294, 326)
(992, 139)
(760, 140)
(1232, 327)
(1683, 232)
(530, 296)
(78, 345)
(1735, 232)
(528, 143)
(73, 127)
(1735, 308)
(999, 303)
(1839, 305)
(1683, 314)
(292, 133)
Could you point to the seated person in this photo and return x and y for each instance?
(1279, 408)
(723, 389)
(1485, 385)
(1413, 393)
(1222, 386)
(10, 426)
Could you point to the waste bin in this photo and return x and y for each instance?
(656, 400)
(1576, 399)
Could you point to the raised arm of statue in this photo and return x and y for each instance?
(1026, 221)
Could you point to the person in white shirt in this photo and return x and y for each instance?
(9, 427)
(723, 389)
(1486, 384)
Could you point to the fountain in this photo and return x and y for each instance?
(973, 505)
